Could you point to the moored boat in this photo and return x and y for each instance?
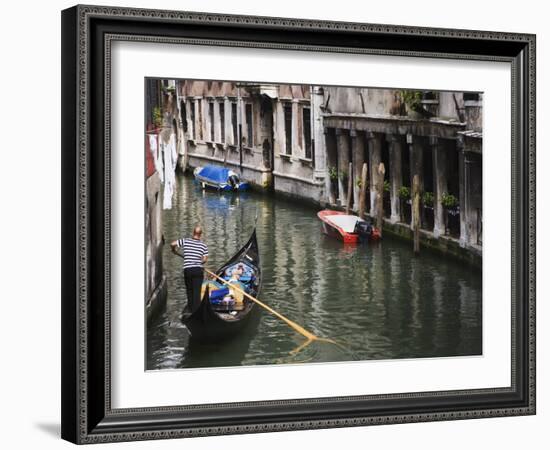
(219, 178)
(347, 227)
(224, 310)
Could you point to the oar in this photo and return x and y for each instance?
(309, 336)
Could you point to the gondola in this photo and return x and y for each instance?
(216, 321)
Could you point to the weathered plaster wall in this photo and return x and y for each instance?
(155, 281)
(289, 137)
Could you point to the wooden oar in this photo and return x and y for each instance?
(309, 336)
(297, 327)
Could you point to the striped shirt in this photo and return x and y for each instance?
(193, 252)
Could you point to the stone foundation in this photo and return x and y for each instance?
(157, 301)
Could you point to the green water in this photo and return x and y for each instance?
(378, 301)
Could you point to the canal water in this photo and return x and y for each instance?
(377, 301)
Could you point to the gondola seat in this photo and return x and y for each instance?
(246, 277)
(218, 291)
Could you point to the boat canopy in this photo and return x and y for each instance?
(344, 221)
(215, 174)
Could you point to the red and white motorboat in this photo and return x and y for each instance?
(346, 227)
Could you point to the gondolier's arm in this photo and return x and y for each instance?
(174, 246)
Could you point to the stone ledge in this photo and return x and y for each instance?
(443, 244)
(297, 178)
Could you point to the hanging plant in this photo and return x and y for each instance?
(428, 199)
(449, 201)
(386, 186)
(404, 193)
(413, 99)
(157, 117)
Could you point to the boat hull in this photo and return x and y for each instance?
(346, 238)
(340, 225)
(224, 187)
(206, 325)
(220, 179)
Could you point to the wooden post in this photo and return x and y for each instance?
(363, 191)
(380, 197)
(416, 213)
(350, 187)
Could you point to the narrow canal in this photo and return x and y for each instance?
(378, 301)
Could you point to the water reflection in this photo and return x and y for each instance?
(378, 301)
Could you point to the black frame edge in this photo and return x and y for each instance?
(85, 415)
(69, 304)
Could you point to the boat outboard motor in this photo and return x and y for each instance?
(234, 181)
(363, 229)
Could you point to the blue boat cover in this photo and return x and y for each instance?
(215, 174)
(219, 294)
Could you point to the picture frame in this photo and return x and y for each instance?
(87, 35)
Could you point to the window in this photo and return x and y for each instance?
(288, 129)
(249, 136)
(153, 100)
(199, 124)
(222, 122)
(211, 119)
(183, 109)
(234, 123)
(193, 123)
(307, 131)
(471, 96)
(429, 95)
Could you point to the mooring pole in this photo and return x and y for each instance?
(350, 187)
(380, 197)
(416, 213)
(363, 191)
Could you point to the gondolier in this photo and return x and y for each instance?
(195, 254)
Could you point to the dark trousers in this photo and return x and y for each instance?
(193, 282)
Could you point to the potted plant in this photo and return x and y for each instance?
(344, 178)
(386, 198)
(427, 210)
(333, 177)
(428, 199)
(404, 195)
(449, 203)
(333, 173)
